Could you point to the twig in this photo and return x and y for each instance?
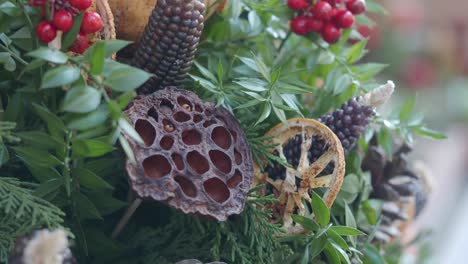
(126, 217)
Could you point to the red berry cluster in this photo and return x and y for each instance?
(327, 17)
(62, 20)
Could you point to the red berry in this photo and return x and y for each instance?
(334, 2)
(322, 10)
(331, 33)
(63, 20)
(299, 25)
(81, 44)
(297, 4)
(92, 22)
(46, 32)
(81, 4)
(344, 19)
(314, 25)
(356, 6)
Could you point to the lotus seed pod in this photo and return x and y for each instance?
(195, 156)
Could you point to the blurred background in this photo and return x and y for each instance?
(425, 43)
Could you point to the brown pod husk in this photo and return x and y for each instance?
(195, 157)
(131, 17)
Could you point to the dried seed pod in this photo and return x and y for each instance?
(169, 42)
(42, 246)
(293, 185)
(195, 157)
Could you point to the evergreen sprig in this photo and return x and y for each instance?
(21, 212)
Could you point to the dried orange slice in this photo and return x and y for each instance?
(293, 187)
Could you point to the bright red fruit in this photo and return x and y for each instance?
(314, 25)
(344, 19)
(63, 20)
(299, 25)
(46, 32)
(297, 4)
(81, 4)
(81, 44)
(334, 2)
(92, 22)
(322, 10)
(356, 6)
(331, 33)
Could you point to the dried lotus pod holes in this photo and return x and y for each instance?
(195, 157)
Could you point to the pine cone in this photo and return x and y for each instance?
(403, 190)
(42, 246)
(169, 42)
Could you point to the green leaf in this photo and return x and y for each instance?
(126, 79)
(60, 76)
(356, 52)
(343, 255)
(337, 239)
(346, 231)
(39, 140)
(366, 71)
(34, 65)
(82, 99)
(427, 132)
(54, 124)
(90, 180)
(37, 157)
(317, 245)
(97, 56)
(372, 255)
(50, 55)
(86, 209)
(321, 211)
(90, 120)
(115, 45)
(10, 9)
(206, 73)
(306, 222)
(90, 148)
(70, 36)
(130, 131)
(332, 254)
(127, 149)
(266, 110)
(305, 256)
(48, 187)
(253, 84)
(105, 203)
(342, 84)
(407, 108)
(350, 221)
(4, 155)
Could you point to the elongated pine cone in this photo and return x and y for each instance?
(169, 42)
(403, 188)
(195, 157)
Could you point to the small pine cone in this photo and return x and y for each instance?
(349, 122)
(169, 42)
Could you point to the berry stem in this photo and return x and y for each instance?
(126, 217)
(283, 42)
